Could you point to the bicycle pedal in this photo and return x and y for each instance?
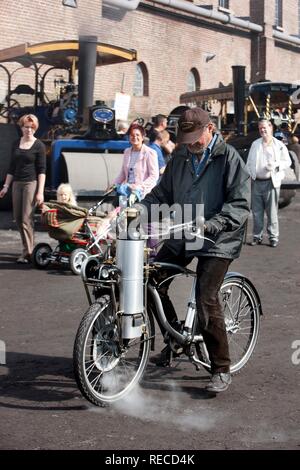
(178, 351)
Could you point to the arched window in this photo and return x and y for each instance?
(193, 80)
(140, 87)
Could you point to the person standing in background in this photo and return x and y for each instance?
(156, 145)
(159, 123)
(268, 158)
(122, 130)
(27, 173)
(139, 172)
(294, 146)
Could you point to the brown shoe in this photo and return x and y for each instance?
(219, 382)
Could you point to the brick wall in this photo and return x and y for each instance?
(237, 7)
(170, 49)
(41, 21)
(291, 17)
(169, 44)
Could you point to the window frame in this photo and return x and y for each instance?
(224, 4)
(279, 14)
(194, 72)
(144, 88)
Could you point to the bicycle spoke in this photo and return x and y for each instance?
(108, 371)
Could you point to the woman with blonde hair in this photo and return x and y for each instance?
(27, 174)
(64, 193)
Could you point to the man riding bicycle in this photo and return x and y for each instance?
(205, 171)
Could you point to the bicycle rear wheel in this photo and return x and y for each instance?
(242, 319)
(106, 368)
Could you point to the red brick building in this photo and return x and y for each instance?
(181, 45)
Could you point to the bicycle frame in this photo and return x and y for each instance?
(127, 264)
(114, 338)
(133, 280)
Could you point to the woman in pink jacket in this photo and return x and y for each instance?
(139, 173)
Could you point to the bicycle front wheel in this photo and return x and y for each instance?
(107, 368)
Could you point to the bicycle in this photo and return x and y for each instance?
(114, 338)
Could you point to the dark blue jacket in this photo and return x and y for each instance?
(223, 188)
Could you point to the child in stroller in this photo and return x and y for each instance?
(80, 233)
(64, 193)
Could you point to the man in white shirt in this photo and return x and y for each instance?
(268, 158)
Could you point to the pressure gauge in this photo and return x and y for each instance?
(103, 115)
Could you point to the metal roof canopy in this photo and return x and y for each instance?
(221, 93)
(57, 55)
(60, 54)
(259, 89)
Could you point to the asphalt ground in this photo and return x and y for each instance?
(41, 407)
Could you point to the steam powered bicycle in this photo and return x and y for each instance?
(114, 338)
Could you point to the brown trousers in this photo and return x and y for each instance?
(210, 275)
(23, 208)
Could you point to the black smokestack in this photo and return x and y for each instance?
(238, 74)
(86, 72)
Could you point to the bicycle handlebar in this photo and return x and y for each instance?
(173, 229)
(95, 207)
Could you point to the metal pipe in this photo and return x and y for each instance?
(86, 72)
(246, 24)
(254, 107)
(160, 312)
(211, 14)
(286, 37)
(8, 86)
(238, 79)
(290, 113)
(268, 105)
(191, 8)
(295, 127)
(125, 4)
(246, 117)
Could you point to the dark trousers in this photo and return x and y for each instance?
(210, 275)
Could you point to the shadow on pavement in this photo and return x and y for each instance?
(168, 378)
(7, 222)
(36, 382)
(8, 261)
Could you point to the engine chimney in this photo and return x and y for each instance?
(238, 75)
(86, 73)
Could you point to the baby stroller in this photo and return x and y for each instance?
(79, 233)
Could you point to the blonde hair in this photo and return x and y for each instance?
(165, 136)
(66, 187)
(31, 118)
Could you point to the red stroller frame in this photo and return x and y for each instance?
(79, 233)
